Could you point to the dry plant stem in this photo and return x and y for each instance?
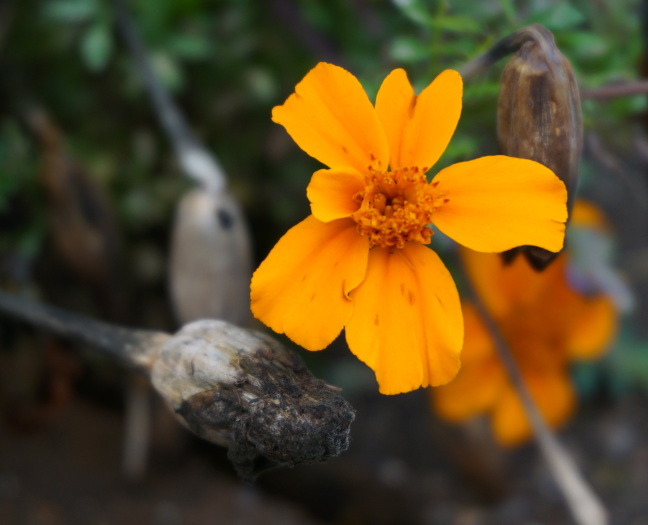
(131, 347)
(211, 255)
(616, 90)
(137, 427)
(583, 503)
(503, 47)
(299, 27)
(194, 158)
(234, 387)
(510, 44)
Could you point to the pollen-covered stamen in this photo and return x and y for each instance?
(396, 207)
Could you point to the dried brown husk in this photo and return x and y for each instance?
(539, 116)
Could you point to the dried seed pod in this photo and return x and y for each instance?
(234, 387)
(539, 115)
(211, 260)
(243, 390)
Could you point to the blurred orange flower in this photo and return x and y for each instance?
(546, 324)
(359, 261)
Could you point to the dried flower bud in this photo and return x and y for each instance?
(539, 114)
(243, 390)
(211, 259)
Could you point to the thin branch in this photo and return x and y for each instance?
(211, 251)
(129, 346)
(583, 503)
(505, 46)
(195, 159)
(303, 31)
(626, 89)
(512, 43)
(137, 427)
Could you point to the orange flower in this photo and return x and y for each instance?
(359, 261)
(546, 324)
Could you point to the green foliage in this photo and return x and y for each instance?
(628, 363)
(227, 63)
(96, 46)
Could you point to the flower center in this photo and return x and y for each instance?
(396, 207)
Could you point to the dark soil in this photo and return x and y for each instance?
(403, 467)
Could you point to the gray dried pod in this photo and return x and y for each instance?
(211, 261)
(539, 114)
(234, 387)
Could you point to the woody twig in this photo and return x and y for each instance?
(585, 506)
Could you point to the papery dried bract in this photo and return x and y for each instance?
(211, 259)
(539, 115)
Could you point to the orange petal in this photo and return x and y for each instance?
(476, 336)
(508, 286)
(394, 104)
(554, 397)
(475, 390)
(406, 323)
(419, 128)
(331, 118)
(301, 288)
(331, 193)
(585, 214)
(486, 272)
(592, 328)
(497, 203)
(480, 379)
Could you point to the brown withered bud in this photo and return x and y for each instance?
(242, 389)
(539, 115)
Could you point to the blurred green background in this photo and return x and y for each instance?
(227, 63)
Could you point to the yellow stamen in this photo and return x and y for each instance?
(396, 207)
